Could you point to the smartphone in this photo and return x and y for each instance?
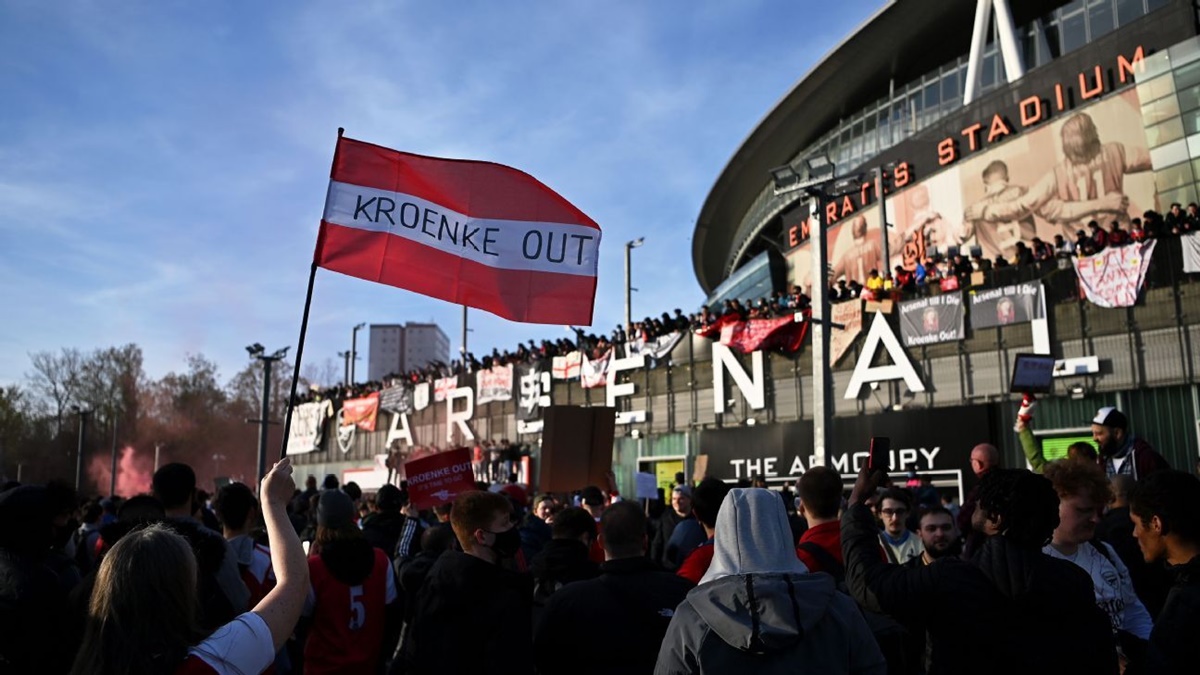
(881, 448)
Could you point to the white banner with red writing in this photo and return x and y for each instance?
(1114, 277)
(443, 386)
(361, 411)
(494, 384)
(434, 480)
(473, 233)
(1191, 252)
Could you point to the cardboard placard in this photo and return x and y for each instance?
(577, 447)
(647, 485)
(437, 479)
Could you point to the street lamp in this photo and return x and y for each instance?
(345, 357)
(354, 348)
(816, 178)
(83, 414)
(629, 246)
(258, 352)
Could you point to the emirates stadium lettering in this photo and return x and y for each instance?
(1030, 112)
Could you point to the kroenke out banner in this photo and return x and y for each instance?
(938, 318)
(937, 440)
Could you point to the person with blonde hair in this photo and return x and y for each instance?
(142, 614)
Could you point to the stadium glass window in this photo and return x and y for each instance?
(951, 91)
(1074, 32)
(1191, 123)
(987, 74)
(1195, 168)
(1166, 132)
(1162, 109)
(932, 96)
(1182, 195)
(1152, 5)
(1174, 177)
(1156, 88)
(1129, 10)
(1187, 75)
(1100, 18)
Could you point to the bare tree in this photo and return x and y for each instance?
(328, 373)
(55, 378)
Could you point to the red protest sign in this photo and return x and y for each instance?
(437, 479)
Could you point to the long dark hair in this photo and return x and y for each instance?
(142, 615)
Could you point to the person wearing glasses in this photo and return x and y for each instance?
(899, 543)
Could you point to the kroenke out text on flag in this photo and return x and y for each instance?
(472, 233)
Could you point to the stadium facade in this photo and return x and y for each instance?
(981, 119)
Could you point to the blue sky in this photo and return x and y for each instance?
(163, 164)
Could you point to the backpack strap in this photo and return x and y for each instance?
(825, 559)
(1103, 550)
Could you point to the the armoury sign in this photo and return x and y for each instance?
(938, 318)
(930, 440)
(1008, 305)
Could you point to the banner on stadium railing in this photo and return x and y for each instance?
(396, 399)
(927, 321)
(1021, 303)
(421, 395)
(850, 316)
(567, 367)
(361, 412)
(443, 386)
(594, 374)
(1114, 276)
(658, 348)
(494, 384)
(1191, 252)
(784, 333)
(308, 427)
(532, 392)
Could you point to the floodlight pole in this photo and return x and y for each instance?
(822, 377)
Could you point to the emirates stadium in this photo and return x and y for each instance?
(1024, 156)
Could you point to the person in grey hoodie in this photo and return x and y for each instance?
(759, 610)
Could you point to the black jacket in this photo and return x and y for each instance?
(562, 562)
(1010, 594)
(1174, 647)
(614, 623)
(664, 528)
(382, 530)
(936, 597)
(471, 617)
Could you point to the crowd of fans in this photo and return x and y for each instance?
(1087, 564)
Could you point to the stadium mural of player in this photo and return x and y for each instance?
(854, 249)
(1091, 164)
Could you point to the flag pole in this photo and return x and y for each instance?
(312, 277)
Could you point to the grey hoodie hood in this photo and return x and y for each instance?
(757, 595)
(752, 536)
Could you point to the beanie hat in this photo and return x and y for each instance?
(335, 510)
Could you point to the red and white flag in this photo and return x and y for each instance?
(472, 233)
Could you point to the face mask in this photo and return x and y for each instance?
(507, 543)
